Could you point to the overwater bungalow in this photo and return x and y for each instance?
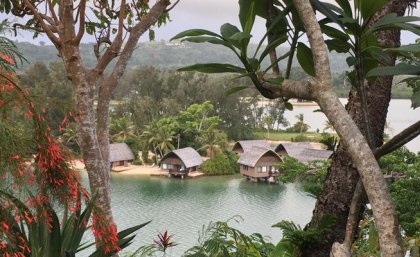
(258, 164)
(245, 145)
(180, 162)
(120, 155)
(292, 149)
(308, 155)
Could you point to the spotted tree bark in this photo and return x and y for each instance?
(342, 176)
(64, 25)
(319, 88)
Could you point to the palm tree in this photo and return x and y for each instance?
(122, 129)
(300, 125)
(213, 141)
(157, 138)
(70, 134)
(267, 121)
(328, 126)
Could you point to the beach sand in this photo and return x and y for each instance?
(144, 170)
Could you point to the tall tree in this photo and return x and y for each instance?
(117, 27)
(314, 61)
(342, 176)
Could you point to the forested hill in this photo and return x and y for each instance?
(162, 54)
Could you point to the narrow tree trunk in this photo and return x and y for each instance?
(351, 137)
(342, 176)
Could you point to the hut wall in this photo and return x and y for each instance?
(173, 161)
(282, 153)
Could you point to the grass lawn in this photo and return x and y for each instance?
(287, 136)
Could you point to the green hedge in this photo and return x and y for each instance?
(221, 164)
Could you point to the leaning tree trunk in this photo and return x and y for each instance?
(342, 176)
(97, 169)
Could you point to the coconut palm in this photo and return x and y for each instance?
(328, 126)
(300, 125)
(122, 129)
(70, 135)
(213, 141)
(157, 138)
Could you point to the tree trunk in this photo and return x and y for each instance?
(342, 176)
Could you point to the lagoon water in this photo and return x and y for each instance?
(183, 206)
(400, 116)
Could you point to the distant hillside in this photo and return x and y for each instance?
(162, 55)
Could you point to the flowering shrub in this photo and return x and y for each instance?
(36, 172)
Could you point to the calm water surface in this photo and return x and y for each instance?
(183, 206)
(400, 115)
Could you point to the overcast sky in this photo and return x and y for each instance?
(211, 14)
(206, 14)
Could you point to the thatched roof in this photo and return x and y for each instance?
(293, 149)
(188, 156)
(251, 157)
(314, 154)
(120, 152)
(246, 145)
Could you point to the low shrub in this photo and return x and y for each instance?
(221, 164)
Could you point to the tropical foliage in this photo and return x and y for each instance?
(221, 164)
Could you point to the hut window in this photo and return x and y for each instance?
(262, 169)
(244, 167)
(166, 166)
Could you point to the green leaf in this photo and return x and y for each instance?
(193, 33)
(211, 40)
(334, 33)
(351, 61)
(240, 39)
(415, 99)
(345, 5)
(285, 249)
(278, 41)
(391, 21)
(277, 81)
(227, 30)
(213, 68)
(131, 230)
(411, 48)
(369, 7)
(351, 25)
(55, 234)
(325, 9)
(288, 106)
(305, 58)
(399, 69)
(230, 91)
(247, 14)
(338, 45)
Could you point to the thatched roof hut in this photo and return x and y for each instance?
(292, 149)
(308, 155)
(181, 161)
(246, 145)
(120, 154)
(259, 163)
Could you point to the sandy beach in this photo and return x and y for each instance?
(130, 170)
(144, 170)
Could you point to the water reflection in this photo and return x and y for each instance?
(184, 206)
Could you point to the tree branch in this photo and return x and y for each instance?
(173, 6)
(44, 26)
(399, 140)
(52, 11)
(356, 145)
(273, 54)
(81, 32)
(114, 49)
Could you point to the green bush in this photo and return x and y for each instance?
(301, 138)
(221, 164)
(137, 162)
